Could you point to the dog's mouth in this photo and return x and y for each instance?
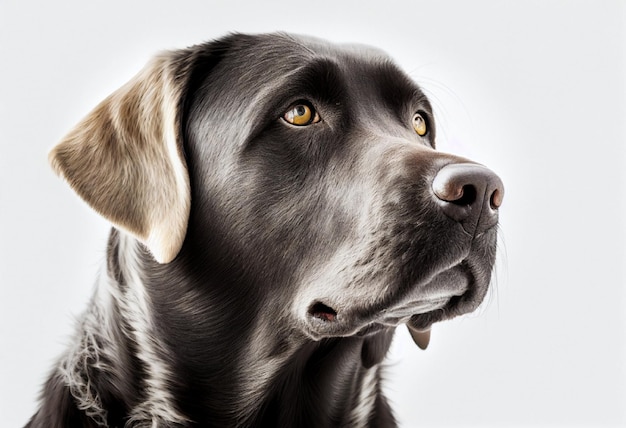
(448, 294)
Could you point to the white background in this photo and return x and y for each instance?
(534, 89)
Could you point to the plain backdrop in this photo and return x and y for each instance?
(534, 89)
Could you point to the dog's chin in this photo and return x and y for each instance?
(450, 293)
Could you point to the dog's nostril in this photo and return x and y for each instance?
(496, 199)
(323, 312)
(467, 196)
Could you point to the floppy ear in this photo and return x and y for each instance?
(125, 159)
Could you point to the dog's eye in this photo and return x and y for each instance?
(301, 114)
(419, 124)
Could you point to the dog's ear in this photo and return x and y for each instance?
(125, 159)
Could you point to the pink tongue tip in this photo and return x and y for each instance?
(421, 338)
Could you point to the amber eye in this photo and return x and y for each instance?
(301, 114)
(419, 124)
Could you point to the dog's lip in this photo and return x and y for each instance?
(420, 336)
(425, 305)
(338, 324)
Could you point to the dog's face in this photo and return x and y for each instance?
(303, 173)
(316, 166)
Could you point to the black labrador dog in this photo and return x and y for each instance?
(278, 208)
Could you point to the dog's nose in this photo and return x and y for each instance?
(470, 194)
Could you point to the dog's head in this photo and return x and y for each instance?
(301, 172)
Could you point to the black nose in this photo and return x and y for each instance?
(470, 194)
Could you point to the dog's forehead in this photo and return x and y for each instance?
(279, 54)
(255, 68)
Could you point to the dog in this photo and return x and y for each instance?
(278, 209)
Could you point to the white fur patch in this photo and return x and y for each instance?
(158, 405)
(94, 345)
(361, 413)
(85, 353)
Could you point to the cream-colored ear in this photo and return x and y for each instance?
(125, 159)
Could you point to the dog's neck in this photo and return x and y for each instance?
(190, 365)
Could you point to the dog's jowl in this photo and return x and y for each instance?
(278, 209)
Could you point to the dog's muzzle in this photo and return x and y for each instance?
(469, 195)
